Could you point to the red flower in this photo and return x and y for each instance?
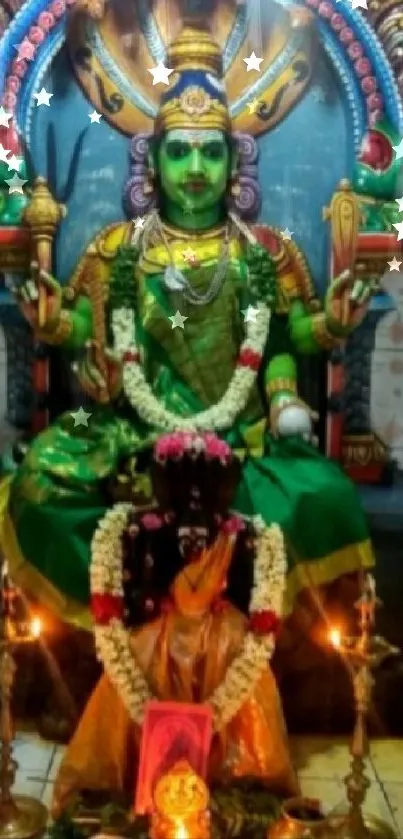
(36, 35)
(249, 358)
(263, 623)
(57, 8)
(46, 21)
(131, 356)
(105, 607)
(151, 521)
(233, 525)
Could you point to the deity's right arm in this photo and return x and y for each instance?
(74, 327)
(81, 316)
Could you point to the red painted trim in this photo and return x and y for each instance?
(40, 376)
(17, 236)
(381, 243)
(334, 448)
(370, 474)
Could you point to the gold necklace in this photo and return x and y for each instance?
(173, 232)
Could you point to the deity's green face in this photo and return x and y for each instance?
(193, 169)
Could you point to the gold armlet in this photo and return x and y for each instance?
(321, 333)
(60, 333)
(278, 385)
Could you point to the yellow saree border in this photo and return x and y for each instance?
(320, 572)
(317, 572)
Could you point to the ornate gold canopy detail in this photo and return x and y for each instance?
(112, 58)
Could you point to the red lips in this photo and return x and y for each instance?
(195, 186)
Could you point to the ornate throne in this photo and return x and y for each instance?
(362, 235)
(331, 73)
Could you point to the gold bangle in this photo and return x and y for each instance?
(279, 384)
(321, 333)
(59, 334)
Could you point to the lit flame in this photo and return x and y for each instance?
(35, 627)
(335, 638)
(181, 832)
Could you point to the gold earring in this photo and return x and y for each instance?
(148, 187)
(235, 185)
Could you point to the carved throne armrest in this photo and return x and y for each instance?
(350, 438)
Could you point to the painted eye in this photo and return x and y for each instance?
(177, 150)
(376, 151)
(213, 151)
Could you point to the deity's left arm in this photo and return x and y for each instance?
(312, 328)
(297, 302)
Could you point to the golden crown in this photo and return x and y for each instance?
(201, 102)
(194, 49)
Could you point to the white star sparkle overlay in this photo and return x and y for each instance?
(394, 264)
(26, 50)
(4, 154)
(15, 184)
(14, 162)
(253, 62)
(160, 74)
(43, 98)
(5, 117)
(399, 228)
(399, 202)
(399, 150)
(190, 256)
(95, 117)
(287, 234)
(80, 417)
(139, 223)
(250, 314)
(178, 320)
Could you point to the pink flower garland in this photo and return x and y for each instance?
(27, 49)
(362, 66)
(174, 446)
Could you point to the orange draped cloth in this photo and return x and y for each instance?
(184, 654)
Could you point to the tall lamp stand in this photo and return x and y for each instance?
(21, 817)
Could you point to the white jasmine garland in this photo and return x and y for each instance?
(141, 397)
(113, 639)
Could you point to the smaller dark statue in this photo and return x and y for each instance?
(193, 497)
(196, 624)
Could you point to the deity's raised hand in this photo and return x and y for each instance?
(40, 299)
(347, 302)
(100, 372)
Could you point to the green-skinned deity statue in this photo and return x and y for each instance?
(186, 318)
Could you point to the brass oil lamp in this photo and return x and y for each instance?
(362, 654)
(181, 800)
(21, 817)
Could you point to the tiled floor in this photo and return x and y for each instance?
(321, 763)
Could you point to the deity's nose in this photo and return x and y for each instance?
(196, 164)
